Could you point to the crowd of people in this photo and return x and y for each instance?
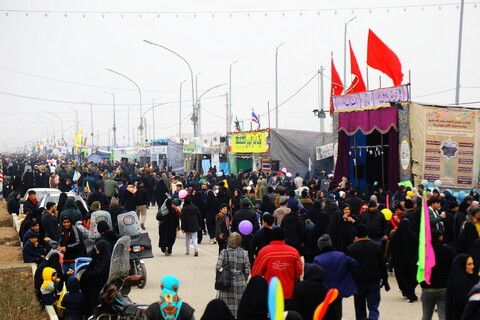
(265, 225)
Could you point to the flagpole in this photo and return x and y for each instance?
(268, 108)
(459, 55)
(367, 78)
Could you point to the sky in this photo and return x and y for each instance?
(55, 53)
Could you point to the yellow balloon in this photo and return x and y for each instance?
(387, 213)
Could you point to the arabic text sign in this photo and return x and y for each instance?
(250, 142)
(370, 99)
(450, 146)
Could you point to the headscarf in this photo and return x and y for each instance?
(458, 286)
(62, 200)
(169, 302)
(217, 309)
(95, 206)
(47, 275)
(114, 202)
(254, 303)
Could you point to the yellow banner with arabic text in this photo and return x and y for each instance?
(249, 142)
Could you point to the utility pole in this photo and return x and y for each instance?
(180, 112)
(227, 116)
(91, 122)
(322, 120)
(459, 56)
(153, 121)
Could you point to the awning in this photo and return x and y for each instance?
(368, 120)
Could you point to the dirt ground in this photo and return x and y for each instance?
(10, 249)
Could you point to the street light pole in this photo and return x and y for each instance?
(140, 94)
(345, 52)
(459, 54)
(195, 128)
(61, 121)
(229, 111)
(114, 120)
(276, 84)
(91, 122)
(180, 113)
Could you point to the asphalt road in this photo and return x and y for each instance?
(197, 275)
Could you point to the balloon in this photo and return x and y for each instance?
(430, 185)
(455, 194)
(387, 213)
(182, 194)
(424, 182)
(275, 299)
(461, 195)
(245, 227)
(437, 183)
(320, 311)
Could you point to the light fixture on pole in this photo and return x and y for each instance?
(140, 127)
(195, 128)
(345, 52)
(319, 113)
(229, 113)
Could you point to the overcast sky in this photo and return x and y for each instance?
(58, 51)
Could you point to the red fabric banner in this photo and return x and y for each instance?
(357, 85)
(382, 58)
(336, 88)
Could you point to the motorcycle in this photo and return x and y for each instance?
(140, 244)
(114, 300)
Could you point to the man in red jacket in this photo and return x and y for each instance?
(279, 260)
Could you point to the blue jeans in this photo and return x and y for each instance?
(368, 296)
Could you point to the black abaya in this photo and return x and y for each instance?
(458, 286)
(403, 245)
(168, 228)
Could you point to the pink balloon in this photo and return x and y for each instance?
(182, 194)
(245, 227)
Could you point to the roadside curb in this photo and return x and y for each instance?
(49, 309)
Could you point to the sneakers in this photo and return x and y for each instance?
(142, 226)
(187, 253)
(167, 253)
(196, 254)
(213, 241)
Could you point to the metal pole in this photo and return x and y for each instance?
(180, 113)
(91, 121)
(459, 56)
(153, 122)
(140, 94)
(276, 84)
(345, 53)
(322, 120)
(114, 121)
(128, 124)
(191, 78)
(229, 107)
(61, 121)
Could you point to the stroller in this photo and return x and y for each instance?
(114, 301)
(140, 244)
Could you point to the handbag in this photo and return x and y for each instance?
(223, 279)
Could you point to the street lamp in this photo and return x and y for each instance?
(180, 113)
(319, 113)
(276, 84)
(114, 121)
(140, 94)
(345, 53)
(197, 102)
(153, 116)
(229, 112)
(61, 121)
(195, 126)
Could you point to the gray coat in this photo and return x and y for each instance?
(240, 270)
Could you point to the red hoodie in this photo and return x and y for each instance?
(281, 261)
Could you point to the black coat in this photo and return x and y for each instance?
(309, 293)
(371, 262)
(191, 218)
(376, 223)
(294, 229)
(98, 196)
(129, 201)
(459, 285)
(29, 206)
(168, 225)
(13, 204)
(443, 263)
(261, 239)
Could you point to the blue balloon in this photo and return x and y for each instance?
(461, 195)
(455, 194)
(430, 185)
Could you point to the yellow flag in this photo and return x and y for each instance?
(78, 137)
(88, 187)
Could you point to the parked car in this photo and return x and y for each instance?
(41, 193)
(54, 197)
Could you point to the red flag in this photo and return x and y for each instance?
(357, 84)
(382, 58)
(336, 88)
